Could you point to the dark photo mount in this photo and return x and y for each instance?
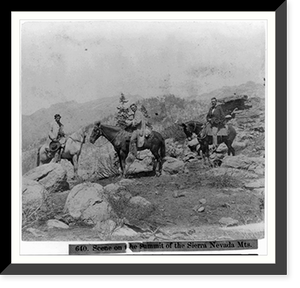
(280, 266)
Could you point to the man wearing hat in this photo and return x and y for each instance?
(57, 136)
(138, 123)
(215, 117)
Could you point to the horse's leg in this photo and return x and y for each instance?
(229, 146)
(75, 164)
(121, 161)
(156, 159)
(205, 153)
(124, 163)
(231, 149)
(38, 157)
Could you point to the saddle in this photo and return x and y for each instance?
(142, 136)
(222, 131)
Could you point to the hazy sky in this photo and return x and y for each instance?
(86, 60)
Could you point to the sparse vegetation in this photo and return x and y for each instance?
(224, 181)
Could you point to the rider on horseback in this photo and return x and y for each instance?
(216, 118)
(57, 137)
(138, 123)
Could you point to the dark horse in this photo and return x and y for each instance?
(205, 140)
(120, 139)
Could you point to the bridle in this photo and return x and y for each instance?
(199, 134)
(76, 140)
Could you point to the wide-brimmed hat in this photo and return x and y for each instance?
(54, 145)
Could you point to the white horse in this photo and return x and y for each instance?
(71, 151)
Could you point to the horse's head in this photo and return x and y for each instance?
(191, 127)
(96, 133)
(202, 135)
(188, 133)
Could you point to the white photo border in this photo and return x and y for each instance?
(270, 236)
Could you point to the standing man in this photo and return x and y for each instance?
(216, 118)
(138, 123)
(57, 134)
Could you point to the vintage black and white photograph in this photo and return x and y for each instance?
(147, 131)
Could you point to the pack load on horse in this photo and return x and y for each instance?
(121, 139)
(62, 147)
(214, 132)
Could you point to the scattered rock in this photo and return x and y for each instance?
(259, 191)
(201, 209)
(228, 221)
(112, 189)
(126, 182)
(189, 157)
(172, 166)
(244, 162)
(194, 218)
(52, 176)
(259, 183)
(35, 232)
(222, 148)
(124, 232)
(53, 223)
(140, 166)
(239, 174)
(140, 201)
(177, 194)
(105, 227)
(202, 201)
(239, 145)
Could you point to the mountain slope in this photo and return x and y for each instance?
(35, 127)
(163, 111)
(249, 88)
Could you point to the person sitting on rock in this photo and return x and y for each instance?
(216, 118)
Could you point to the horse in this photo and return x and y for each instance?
(205, 140)
(120, 139)
(71, 150)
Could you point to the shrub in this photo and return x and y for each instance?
(224, 181)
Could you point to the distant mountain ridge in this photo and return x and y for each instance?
(163, 111)
(250, 88)
(74, 116)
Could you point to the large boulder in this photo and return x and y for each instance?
(33, 195)
(252, 164)
(172, 166)
(52, 176)
(87, 202)
(139, 166)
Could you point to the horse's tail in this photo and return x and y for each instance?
(38, 157)
(231, 133)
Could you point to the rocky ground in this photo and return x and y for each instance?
(189, 201)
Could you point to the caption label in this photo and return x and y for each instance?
(90, 249)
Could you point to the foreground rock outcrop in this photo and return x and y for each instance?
(52, 176)
(87, 202)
